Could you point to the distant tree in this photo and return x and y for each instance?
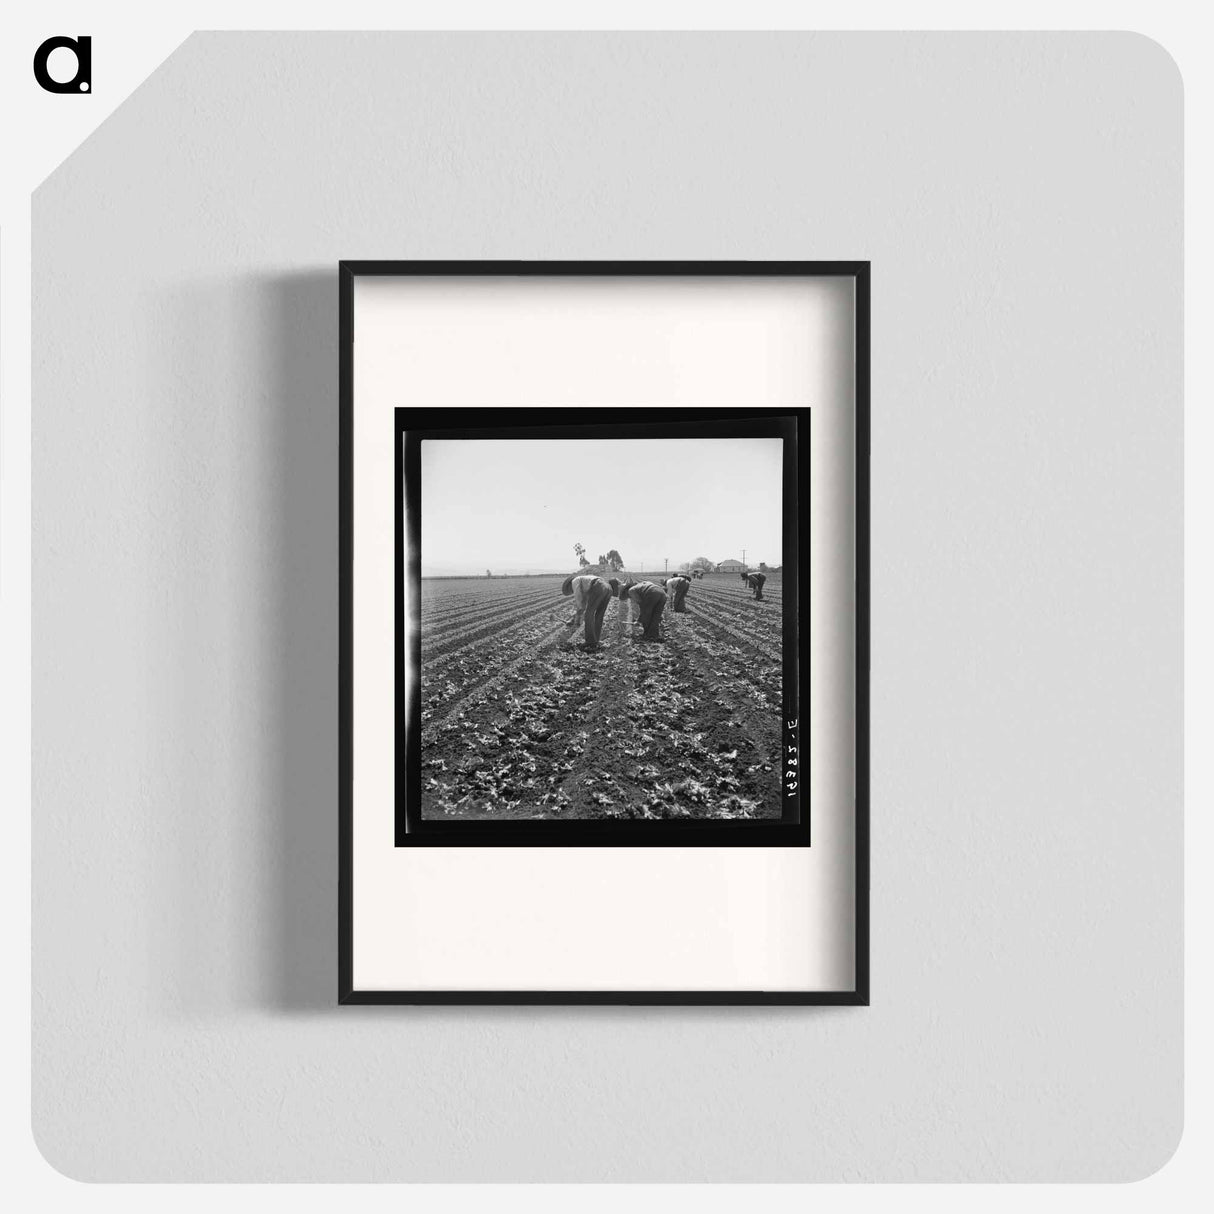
(581, 554)
(616, 561)
(702, 563)
(762, 566)
(685, 567)
(488, 572)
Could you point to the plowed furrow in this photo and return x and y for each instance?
(436, 653)
(547, 639)
(765, 646)
(436, 628)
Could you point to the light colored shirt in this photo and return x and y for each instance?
(581, 589)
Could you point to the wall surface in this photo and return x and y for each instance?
(1020, 199)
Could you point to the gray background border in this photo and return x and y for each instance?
(1020, 199)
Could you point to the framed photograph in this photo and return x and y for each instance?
(604, 632)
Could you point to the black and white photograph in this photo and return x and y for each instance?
(604, 624)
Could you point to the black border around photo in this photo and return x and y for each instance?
(348, 272)
(414, 426)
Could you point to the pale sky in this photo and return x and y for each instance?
(513, 505)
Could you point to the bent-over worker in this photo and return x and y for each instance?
(590, 597)
(648, 602)
(677, 587)
(755, 582)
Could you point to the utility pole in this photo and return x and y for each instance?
(665, 564)
(743, 560)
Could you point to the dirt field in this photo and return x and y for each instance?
(517, 722)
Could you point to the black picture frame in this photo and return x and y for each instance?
(436, 423)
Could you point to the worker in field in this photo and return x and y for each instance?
(677, 587)
(648, 602)
(755, 582)
(591, 595)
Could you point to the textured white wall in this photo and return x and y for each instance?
(1020, 199)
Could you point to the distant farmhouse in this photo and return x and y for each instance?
(730, 566)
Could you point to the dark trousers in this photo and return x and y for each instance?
(596, 608)
(651, 603)
(755, 582)
(680, 593)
